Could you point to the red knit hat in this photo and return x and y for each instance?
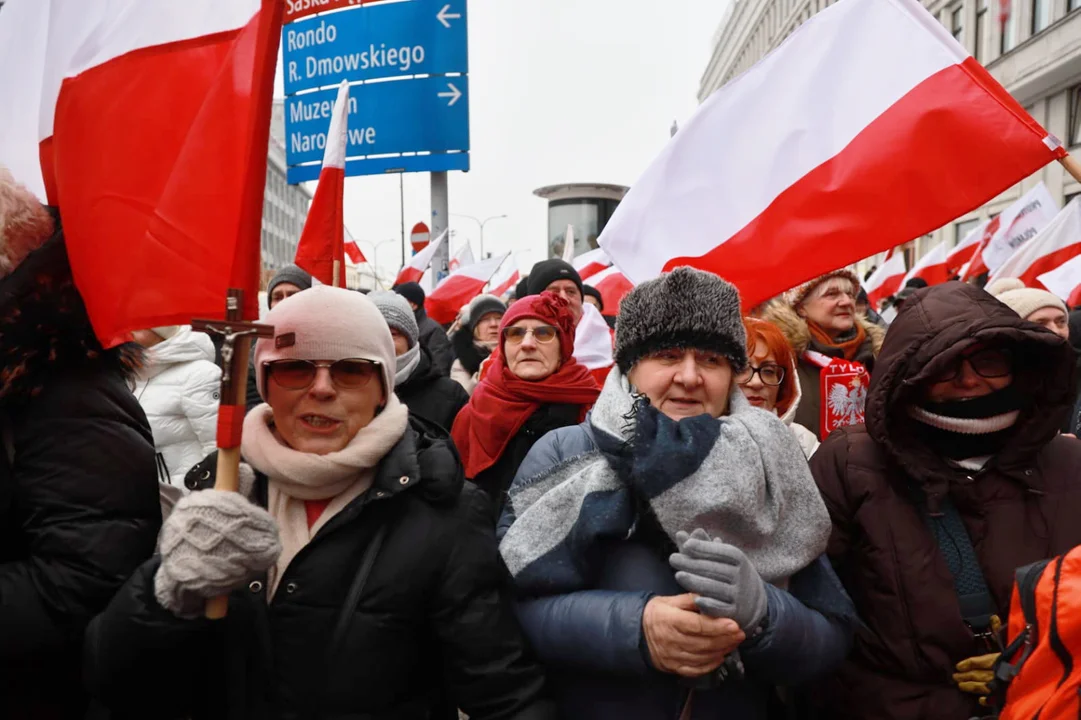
(548, 308)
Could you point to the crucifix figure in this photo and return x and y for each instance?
(234, 372)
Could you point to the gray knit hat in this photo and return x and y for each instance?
(685, 308)
(397, 313)
(289, 274)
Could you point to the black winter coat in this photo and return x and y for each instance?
(496, 480)
(434, 338)
(432, 628)
(79, 504)
(431, 395)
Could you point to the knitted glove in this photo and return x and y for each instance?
(729, 585)
(975, 673)
(213, 542)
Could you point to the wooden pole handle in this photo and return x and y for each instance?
(1073, 167)
(228, 472)
(337, 269)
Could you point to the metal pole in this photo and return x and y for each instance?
(401, 195)
(482, 241)
(440, 216)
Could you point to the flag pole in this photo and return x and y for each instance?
(488, 285)
(1073, 167)
(337, 269)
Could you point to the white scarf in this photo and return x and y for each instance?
(406, 363)
(298, 476)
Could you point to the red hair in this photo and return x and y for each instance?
(771, 337)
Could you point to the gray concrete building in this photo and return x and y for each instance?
(1036, 56)
(284, 206)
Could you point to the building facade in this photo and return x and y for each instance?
(285, 206)
(1035, 54)
(587, 207)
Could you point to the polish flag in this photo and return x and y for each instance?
(591, 263)
(459, 288)
(147, 124)
(1056, 244)
(414, 269)
(322, 242)
(462, 258)
(965, 250)
(886, 280)
(1065, 281)
(976, 265)
(931, 267)
(354, 253)
(869, 126)
(1018, 224)
(504, 280)
(568, 244)
(613, 287)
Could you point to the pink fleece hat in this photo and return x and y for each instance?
(326, 323)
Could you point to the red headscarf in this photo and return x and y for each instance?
(502, 402)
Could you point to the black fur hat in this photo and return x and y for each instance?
(685, 308)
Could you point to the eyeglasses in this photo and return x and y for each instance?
(300, 374)
(542, 333)
(988, 363)
(770, 374)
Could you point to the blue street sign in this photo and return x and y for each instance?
(394, 39)
(397, 116)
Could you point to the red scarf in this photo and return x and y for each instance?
(502, 403)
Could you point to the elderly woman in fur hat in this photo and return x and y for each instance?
(673, 542)
(836, 348)
(78, 498)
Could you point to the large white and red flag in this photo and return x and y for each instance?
(931, 267)
(965, 250)
(147, 123)
(886, 280)
(414, 269)
(869, 126)
(591, 263)
(1065, 281)
(1018, 224)
(322, 242)
(459, 288)
(1056, 244)
(975, 265)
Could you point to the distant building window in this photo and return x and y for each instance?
(1073, 5)
(1041, 15)
(961, 229)
(1075, 115)
(981, 31)
(957, 23)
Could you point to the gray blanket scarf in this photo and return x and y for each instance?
(742, 478)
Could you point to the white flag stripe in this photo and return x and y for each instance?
(1063, 231)
(936, 256)
(1064, 279)
(338, 135)
(1018, 224)
(890, 268)
(809, 98)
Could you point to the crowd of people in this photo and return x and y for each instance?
(795, 513)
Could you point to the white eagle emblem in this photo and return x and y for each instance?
(846, 403)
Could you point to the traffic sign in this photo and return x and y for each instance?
(393, 117)
(419, 237)
(383, 40)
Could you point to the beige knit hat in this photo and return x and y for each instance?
(1024, 301)
(798, 294)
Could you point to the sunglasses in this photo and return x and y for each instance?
(989, 363)
(770, 374)
(542, 333)
(300, 374)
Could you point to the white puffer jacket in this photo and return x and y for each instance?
(179, 391)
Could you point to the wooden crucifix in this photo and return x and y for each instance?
(235, 351)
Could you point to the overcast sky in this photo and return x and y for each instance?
(561, 91)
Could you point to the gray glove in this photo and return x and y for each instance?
(729, 585)
(213, 542)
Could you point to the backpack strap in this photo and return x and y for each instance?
(977, 605)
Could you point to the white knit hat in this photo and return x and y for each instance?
(1023, 300)
(326, 323)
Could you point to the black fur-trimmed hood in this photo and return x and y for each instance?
(44, 328)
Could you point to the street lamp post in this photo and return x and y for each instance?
(375, 252)
(481, 223)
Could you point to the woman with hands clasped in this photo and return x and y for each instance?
(667, 552)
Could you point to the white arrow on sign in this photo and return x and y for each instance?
(444, 16)
(454, 94)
